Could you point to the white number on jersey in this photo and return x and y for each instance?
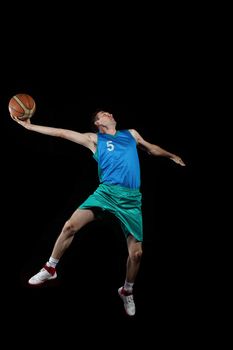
(110, 146)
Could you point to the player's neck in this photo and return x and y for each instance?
(108, 130)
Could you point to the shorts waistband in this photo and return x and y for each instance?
(121, 188)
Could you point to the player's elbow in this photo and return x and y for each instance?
(61, 133)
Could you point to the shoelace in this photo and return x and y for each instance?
(44, 270)
(129, 299)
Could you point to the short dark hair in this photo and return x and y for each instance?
(93, 118)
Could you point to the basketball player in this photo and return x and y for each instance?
(118, 192)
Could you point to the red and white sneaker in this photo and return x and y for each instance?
(47, 273)
(128, 301)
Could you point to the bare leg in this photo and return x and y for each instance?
(132, 267)
(134, 258)
(78, 219)
(74, 224)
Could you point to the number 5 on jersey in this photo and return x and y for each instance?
(110, 146)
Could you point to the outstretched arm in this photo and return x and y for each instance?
(88, 140)
(155, 150)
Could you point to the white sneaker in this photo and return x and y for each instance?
(128, 302)
(45, 274)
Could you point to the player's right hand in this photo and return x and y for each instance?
(24, 123)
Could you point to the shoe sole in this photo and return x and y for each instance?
(42, 282)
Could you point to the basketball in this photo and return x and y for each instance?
(22, 106)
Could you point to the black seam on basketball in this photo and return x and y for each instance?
(26, 109)
(28, 112)
(15, 110)
(17, 99)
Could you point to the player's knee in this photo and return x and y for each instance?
(69, 228)
(136, 255)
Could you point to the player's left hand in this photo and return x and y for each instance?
(178, 160)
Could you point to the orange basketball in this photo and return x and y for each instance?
(22, 106)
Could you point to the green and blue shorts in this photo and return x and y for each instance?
(124, 203)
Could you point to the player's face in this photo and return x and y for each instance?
(103, 118)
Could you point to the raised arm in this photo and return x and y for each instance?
(155, 150)
(88, 140)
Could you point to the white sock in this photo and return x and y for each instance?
(52, 262)
(128, 287)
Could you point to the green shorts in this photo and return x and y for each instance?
(124, 203)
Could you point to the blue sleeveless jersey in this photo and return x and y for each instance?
(117, 157)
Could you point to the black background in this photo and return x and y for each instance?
(145, 68)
